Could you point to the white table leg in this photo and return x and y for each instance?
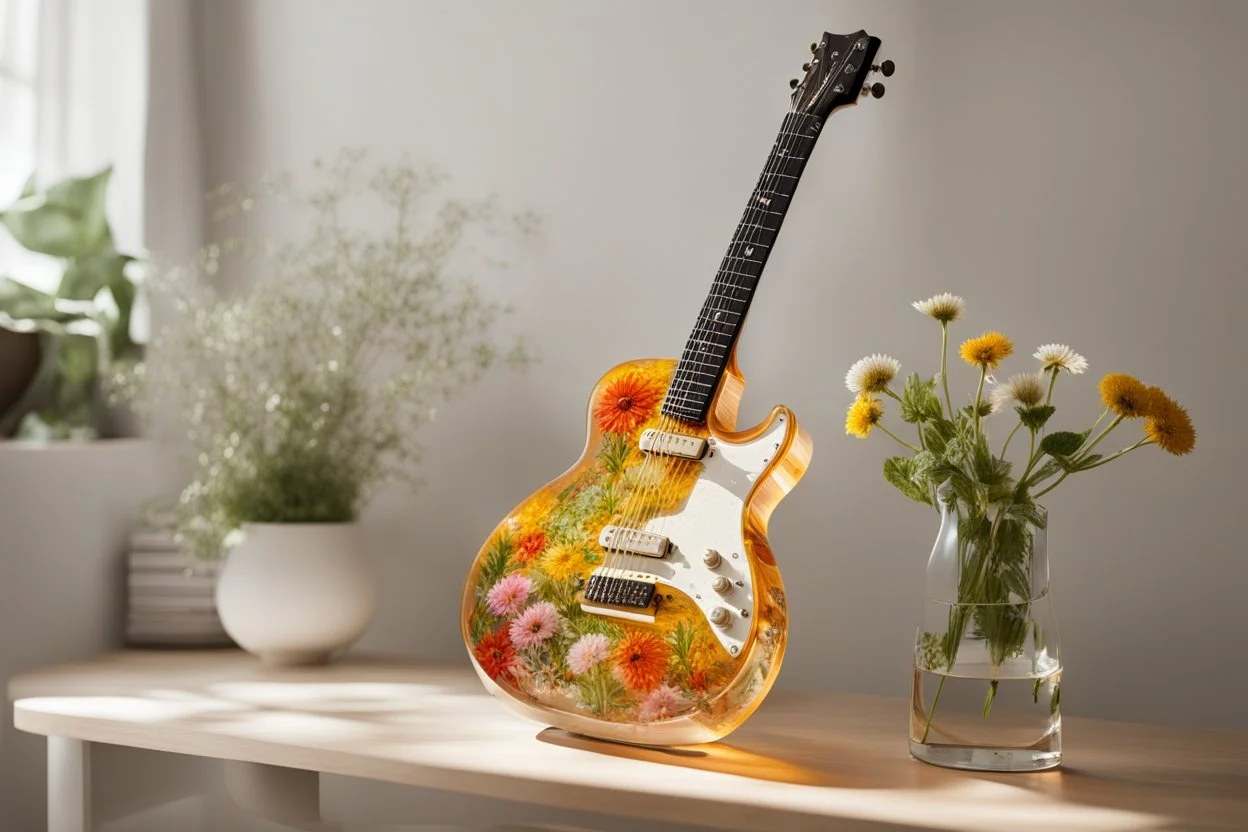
(69, 785)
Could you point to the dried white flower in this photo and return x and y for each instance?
(1026, 389)
(1062, 357)
(944, 307)
(306, 391)
(872, 374)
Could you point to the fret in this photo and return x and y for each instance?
(728, 271)
(746, 259)
(681, 399)
(756, 225)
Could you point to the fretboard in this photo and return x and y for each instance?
(723, 313)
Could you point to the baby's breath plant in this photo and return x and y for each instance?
(305, 391)
(994, 498)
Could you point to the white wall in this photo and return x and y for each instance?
(1074, 169)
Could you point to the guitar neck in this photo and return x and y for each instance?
(719, 323)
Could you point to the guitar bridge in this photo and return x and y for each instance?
(619, 589)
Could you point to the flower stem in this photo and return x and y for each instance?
(927, 729)
(1052, 383)
(1096, 464)
(944, 355)
(898, 438)
(1104, 433)
(979, 392)
(1006, 447)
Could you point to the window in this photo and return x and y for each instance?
(29, 119)
(19, 28)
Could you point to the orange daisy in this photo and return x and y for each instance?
(627, 402)
(529, 545)
(641, 659)
(496, 654)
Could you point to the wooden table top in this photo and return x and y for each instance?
(804, 761)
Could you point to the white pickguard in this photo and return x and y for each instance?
(712, 519)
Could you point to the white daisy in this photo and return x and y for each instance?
(1027, 389)
(872, 374)
(1062, 356)
(945, 307)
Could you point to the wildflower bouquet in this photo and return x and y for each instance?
(951, 464)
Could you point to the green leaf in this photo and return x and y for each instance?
(937, 433)
(1034, 418)
(76, 358)
(918, 400)
(985, 409)
(86, 276)
(1027, 510)
(1062, 443)
(66, 221)
(899, 471)
(1088, 461)
(21, 302)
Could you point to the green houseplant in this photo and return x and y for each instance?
(304, 391)
(85, 323)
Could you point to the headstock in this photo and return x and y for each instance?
(837, 74)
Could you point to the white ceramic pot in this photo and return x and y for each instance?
(293, 593)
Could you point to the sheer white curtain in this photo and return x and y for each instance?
(73, 98)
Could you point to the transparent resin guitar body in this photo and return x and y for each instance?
(678, 678)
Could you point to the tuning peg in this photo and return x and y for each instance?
(806, 67)
(793, 82)
(886, 69)
(873, 90)
(813, 47)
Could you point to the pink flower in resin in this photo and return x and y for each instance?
(662, 702)
(536, 624)
(587, 652)
(507, 597)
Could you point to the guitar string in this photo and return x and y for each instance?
(674, 472)
(654, 496)
(793, 125)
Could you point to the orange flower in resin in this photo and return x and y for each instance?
(529, 545)
(496, 654)
(641, 659)
(627, 402)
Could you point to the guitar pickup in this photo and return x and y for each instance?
(633, 542)
(672, 444)
(609, 591)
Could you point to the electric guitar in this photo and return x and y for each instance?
(635, 598)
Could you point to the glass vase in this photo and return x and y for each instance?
(987, 668)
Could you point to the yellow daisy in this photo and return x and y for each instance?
(1126, 395)
(987, 351)
(563, 561)
(864, 414)
(1169, 425)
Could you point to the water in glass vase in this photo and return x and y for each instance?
(986, 725)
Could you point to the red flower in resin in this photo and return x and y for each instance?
(496, 655)
(627, 403)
